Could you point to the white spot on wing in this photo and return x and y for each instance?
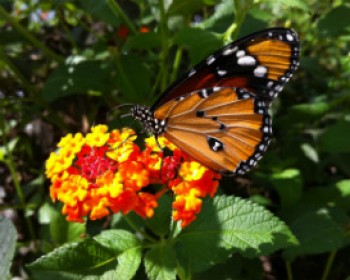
(191, 73)
(260, 71)
(216, 146)
(278, 88)
(210, 60)
(289, 37)
(229, 51)
(222, 72)
(240, 53)
(246, 60)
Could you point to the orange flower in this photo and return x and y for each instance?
(106, 172)
(144, 29)
(146, 204)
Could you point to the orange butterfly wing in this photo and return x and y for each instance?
(226, 129)
(261, 63)
(223, 122)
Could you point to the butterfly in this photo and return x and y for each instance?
(218, 111)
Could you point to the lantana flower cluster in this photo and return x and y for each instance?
(107, 172)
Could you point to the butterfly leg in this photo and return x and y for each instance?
(162, 151)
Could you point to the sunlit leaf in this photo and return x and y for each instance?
(8, 238)
(310, 152)
(160, 262)
(99, 258)
(231, 224)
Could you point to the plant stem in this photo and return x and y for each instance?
(240, 12)
(176, 64)
(26, 34)
(13, 171)
(289, 270)
(130, 90)
(118, 11)
(12, 67)
(70, 38)
(137, 229)
(165, 48)
(328, 265)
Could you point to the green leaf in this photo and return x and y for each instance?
(185, 7)
(261, 200)
(127, 246)
(61, 231)
(119, 221)
(235, 268)
(8, 238)
(133, 79)
(300, 4)
(100, 10)
(310, 152)
(336, 138)
(160, 262)
(318, 232)
(111, 255)
(231, 223)
(329, 24)
(77, 258)
(10, 146)
(78, 78)
(143, 41)
(288, 184)
(117, 240)
(221, 19)
(308, 111)
(337, 195)
(204, 44)
(160, 222)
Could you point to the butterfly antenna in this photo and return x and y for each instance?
(125, 115)
(122, 105)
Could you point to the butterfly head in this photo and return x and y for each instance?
(146, 117)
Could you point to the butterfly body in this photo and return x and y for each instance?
(217, 113)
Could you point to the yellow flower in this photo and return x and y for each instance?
(71, 143)
(192, 171)
(122, 152)
(162, 141)
(98, 137)
(58, 162)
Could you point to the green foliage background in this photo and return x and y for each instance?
(64, 65)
